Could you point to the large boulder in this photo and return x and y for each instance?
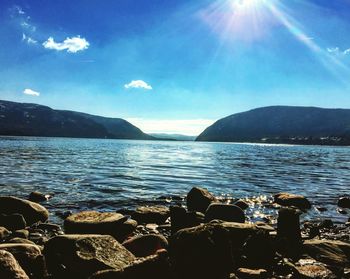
(344, 202)
(287, 199)
(201, 252)
(13, 222)
(155, 267)
(288, 224)
(93, 222)
(83, 255)
(29, 257)
(198, 199)
(224, 212)
(9, 267)
(146, 245)
(151, 214)
(31, 211)
(330, 252)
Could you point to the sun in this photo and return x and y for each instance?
(246, 4)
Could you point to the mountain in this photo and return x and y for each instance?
(22, 119)
(173, 137)
(283, 124)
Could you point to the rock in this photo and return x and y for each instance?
(38, 197)
(198, 199)
(83, 255)
(330, 252)
(201, 252)
(155, 267)
(245, 273)
(21, 234)
(49, 227)
(125, 229)
(312, 269)
(32, 212)
(4, 233)
(151, 214)
(12, 222)
(19, 240)
(9, 267)
(288, 224)
(287, 199)
(146, 245)
(93, 222)
(241, 204)
(224, 212)
(181, 219)
(28, 256)
(344, 202)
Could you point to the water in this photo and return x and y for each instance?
(113, 174)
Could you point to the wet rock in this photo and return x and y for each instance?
(146, 245)
(21, 234)
(330, 252)
(28, 256)
(83, 255)
(287, 199)
(93, 222)
(288, 224)
(201, 252)
(241, 204)
(12, 222)
(326, 224)
(155, 267)
(9, 267)
(245, 273)
(181, 219)
(344, 202)
(4, 233)
(198, 199)
(224, 212)
(32, 212)
(151, 214)
(38, 197)
(48, 227)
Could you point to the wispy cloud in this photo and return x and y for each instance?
(72, 45)
(28, 39)
(190, 127)
(138, 84)
(31, 92)
(338, 51)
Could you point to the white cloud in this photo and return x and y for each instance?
(28, 39)
(72, 45)
(190, 127)
(31, 92)
(337, 51)
(140, 84)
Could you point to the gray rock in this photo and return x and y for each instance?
(287, 199)
(9, 267)
(146, 245)
(201, 252)
(224, 212)
(151, 214)
(32, 212)
(198, 199)
(83, 255)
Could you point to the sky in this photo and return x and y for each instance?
(175, 66)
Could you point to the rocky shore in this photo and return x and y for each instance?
(208, 238)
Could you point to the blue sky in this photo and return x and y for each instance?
(175, 66)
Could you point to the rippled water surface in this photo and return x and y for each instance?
(111, 174)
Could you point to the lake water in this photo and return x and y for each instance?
(113, 174)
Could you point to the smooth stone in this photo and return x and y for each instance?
(155, 267)
(31, 211)
(10, 268)
(93, 222)
(198, 199)
(224, 212)
(38, 197)
(151, 214)
(4, 233)
(201, 252)
(19, 240)
(246, 273)
(287, 199)
(146, 245)
(13, 222)
(83, 255)
(28, 256)
(344, 202)
(330, 252)
(241, 204)
(21, 234)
